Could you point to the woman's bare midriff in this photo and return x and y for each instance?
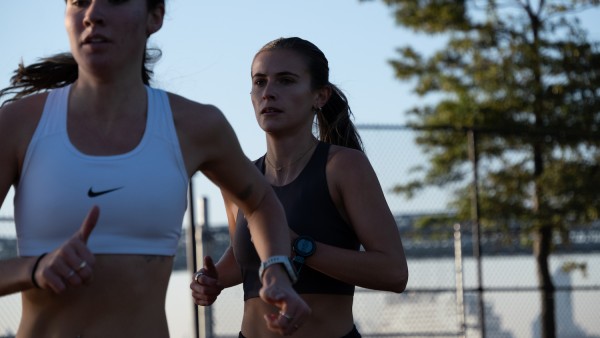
(126, 298)
(331, 317)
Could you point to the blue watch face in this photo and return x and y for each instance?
(304, 247)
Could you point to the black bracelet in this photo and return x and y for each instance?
(37, 261)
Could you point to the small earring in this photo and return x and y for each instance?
(318, 110)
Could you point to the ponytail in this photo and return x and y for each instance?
(58, 71)
(52, 72)
(334, 123)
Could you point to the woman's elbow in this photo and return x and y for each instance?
(400, 279)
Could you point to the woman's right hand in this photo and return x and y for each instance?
(71, 264)
(205, 286)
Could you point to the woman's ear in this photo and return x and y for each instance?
(155, 19)
(323, 96)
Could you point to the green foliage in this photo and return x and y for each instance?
(430, 16)
(571, 266)
(525, 78)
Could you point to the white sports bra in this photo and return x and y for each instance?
(142, 194)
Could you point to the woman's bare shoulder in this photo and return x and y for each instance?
(18, 119)
(344, 157)
(348, 166)
(25, 107)
(203, 131)
(189, 110)
(196, 120)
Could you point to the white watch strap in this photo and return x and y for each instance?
(285, 260)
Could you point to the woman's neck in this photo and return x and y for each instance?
(285, 160)
(283, 154)
(107, 101)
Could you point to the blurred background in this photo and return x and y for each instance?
(480, 118)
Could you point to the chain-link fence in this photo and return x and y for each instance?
(443, 294)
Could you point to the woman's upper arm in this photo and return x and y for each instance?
(360, 194)
(228, 167)
(8, 157)
(18, 121)
(210, 145)
(231, 210)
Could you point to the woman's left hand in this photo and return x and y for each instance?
(277, 290)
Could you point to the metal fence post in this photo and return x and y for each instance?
(204, 240)
(196, 250)
(473, 156)
(191, 254)
(458, 269)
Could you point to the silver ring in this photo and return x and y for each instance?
(70, 274)
(288, 317)
(197, 275)
(82, 265)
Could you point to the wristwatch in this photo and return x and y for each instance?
(285, 260)
(303, 247)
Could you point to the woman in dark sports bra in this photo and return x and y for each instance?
(343, 232)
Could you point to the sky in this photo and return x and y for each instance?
(207, 48)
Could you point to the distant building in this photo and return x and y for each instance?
(417, 243)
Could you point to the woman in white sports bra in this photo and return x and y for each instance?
(100, 163)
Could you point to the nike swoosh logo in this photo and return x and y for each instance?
(92, 193)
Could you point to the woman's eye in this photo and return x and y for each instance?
(79, 3)
(259, 82)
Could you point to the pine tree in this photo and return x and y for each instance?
(522, 76)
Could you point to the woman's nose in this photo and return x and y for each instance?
(94, 14)
(268, 92)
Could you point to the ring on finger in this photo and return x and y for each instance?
(286, 316)
(82, 265)
(198, 275)
(71, 273)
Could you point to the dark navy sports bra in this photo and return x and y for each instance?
(310, 211)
